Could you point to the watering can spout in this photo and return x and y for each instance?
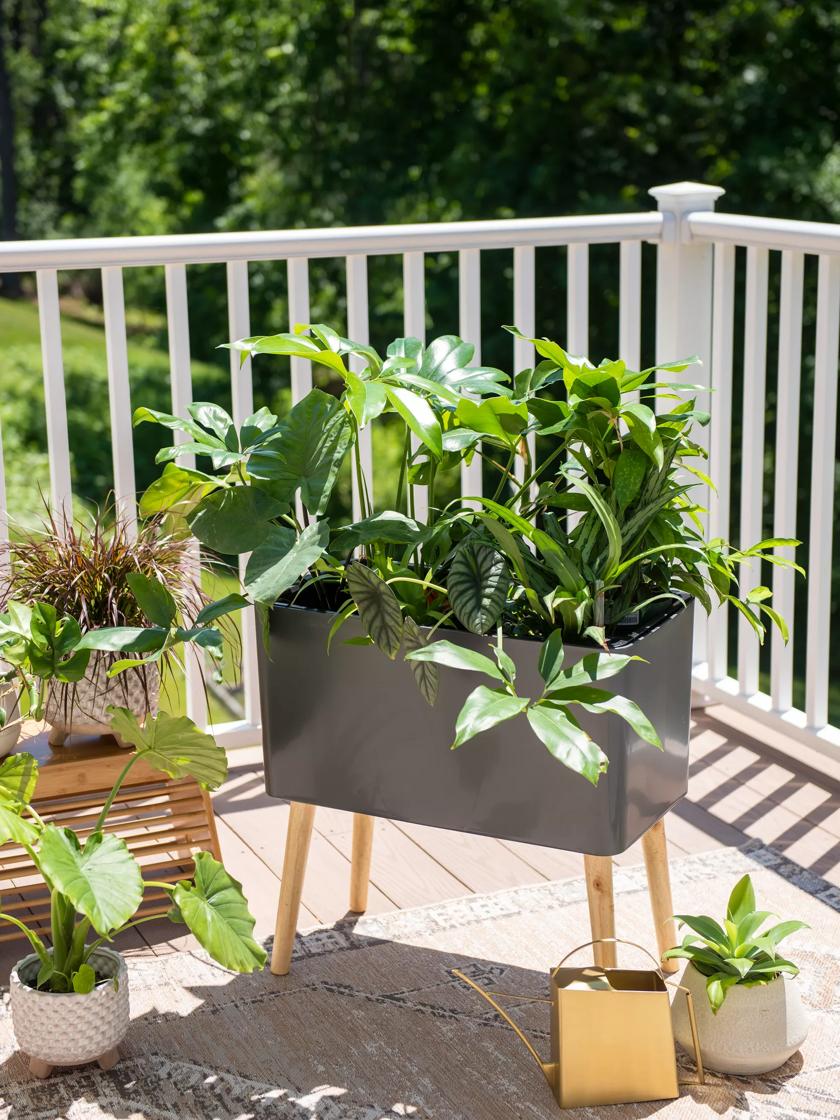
(549, 1069)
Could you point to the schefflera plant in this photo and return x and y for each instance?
(95, 883)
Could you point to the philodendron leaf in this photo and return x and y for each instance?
(484, 708)
(101, 880)
(174, 745)
(18, 778)
(426, 674)
(215, 909)
(456, 657)
(567, 742)
(378, 607)
(629, 474)
(282, 559)
(477, 584)
(14, 828)
(153, 598)
(307, 451)
(234, 520)
(550, 661)
(599, 701)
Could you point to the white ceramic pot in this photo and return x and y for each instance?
(66, 1029)
(756, 1030)
(10, 731)
(82, 708)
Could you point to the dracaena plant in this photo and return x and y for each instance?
(744, 950)
(597, 528)
(95, 883)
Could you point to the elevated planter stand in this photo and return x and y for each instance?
(349, 730)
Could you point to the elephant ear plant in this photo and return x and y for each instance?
(594, 534)
(95, 882)
(739, 951)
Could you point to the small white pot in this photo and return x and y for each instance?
(66, 1029)
(755, 1031)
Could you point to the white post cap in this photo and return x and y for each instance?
(680, 198)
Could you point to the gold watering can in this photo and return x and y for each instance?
(612, 1041)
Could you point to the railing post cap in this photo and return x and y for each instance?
(685, 196)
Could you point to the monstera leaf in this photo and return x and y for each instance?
(378, 607)
(477, 585)
(101, 880)
(174, 745)
(215, 909)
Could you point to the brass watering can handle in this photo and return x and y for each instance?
(692, 1020)
(523, 1038)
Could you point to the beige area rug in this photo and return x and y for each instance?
(370, 1024)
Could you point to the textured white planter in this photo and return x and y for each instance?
(10, 731)
(756, 1030)
(82, 708)
(65, 1029)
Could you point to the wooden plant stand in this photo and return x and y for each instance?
(599, 887)
(162, 821)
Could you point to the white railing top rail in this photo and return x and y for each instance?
(431, 237)
(764, 233)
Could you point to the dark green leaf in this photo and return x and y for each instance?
(280, 562)
(426, 674)
(378, 607)
(153, 598)
(477, 584)
(235, 519)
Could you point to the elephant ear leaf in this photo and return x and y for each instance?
(174, 745)
(101, 880)
(14, 828)
(18, 778)
(426, 673)
(214, 908)
(478, 583)
(378, 607)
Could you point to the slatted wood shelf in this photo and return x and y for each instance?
(162, 821)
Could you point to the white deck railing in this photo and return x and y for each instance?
(695, 300)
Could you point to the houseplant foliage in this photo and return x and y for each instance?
(89, 574)
(597, 527)
(95, 882)
(743, 950)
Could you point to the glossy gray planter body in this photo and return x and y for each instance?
(350, 730)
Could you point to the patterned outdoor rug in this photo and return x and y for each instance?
(370, 1024)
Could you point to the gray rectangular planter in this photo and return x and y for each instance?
(349, 730)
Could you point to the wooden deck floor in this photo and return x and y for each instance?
(745, 783)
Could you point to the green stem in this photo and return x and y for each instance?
(109, 800)
(403, 470)
(506, 474)
(536, 473)
(128, 925)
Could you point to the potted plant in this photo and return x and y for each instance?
(583, 565)
(69, 1000)
(87, 570)
(750, 1017)
(42, 649)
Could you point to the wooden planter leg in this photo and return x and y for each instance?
(360, 866)
(655, 851)
(39, 1068)
(599, 892)
(298, 835)
(109, 1059)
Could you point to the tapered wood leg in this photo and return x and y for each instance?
(360, 866)
(298, 836)
(109, 1059)
(655, 850)
(39, 1068)
(599, 892)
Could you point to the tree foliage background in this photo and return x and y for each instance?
(170, 116)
